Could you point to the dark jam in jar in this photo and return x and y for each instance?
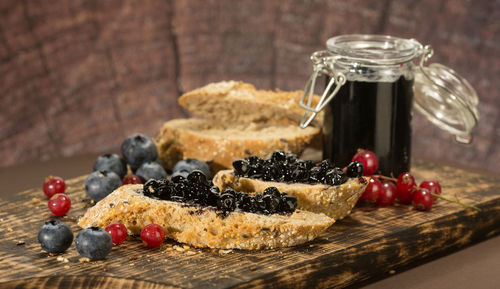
(374, 116)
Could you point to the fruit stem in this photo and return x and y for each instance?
(456, 202)
(434, 195)
(385, 178)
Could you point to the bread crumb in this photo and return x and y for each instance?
(20, 243)
(179, 248)
(190, 253)
(84, 260)
(225, 252)
(66, 267)
(9, 229)
(62, 259)
(36, 201)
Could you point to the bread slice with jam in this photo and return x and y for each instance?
(205, 226)
(319, 188)
(333, 201)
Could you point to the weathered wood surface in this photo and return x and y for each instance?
(78, 76)
(367, 244)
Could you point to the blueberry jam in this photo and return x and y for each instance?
(195, 190)
(286, 167)
(371, 115)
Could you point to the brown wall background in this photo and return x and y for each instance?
(77, 76)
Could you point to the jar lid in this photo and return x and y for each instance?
(447, 100)
(371, 49)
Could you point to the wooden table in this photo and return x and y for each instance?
(369, 245)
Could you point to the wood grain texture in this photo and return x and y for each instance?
(368, 243)
(78, 76)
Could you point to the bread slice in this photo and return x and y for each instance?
(221, 143)
(239, 102)
(204, 227)
(333, 201)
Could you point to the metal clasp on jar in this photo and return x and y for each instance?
(323, 64)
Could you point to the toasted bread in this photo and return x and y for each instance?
(220, 144)
(238, 121)
(239, 102)
(333, 201)
(204, 226)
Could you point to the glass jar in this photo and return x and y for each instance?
(372, 82)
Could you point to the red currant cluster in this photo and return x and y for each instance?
(383, 190)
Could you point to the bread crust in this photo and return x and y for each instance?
(218, 145)
(205, 227)
(334, 201)
(239, 102)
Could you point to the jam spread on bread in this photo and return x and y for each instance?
(196, 190)
(286, 167)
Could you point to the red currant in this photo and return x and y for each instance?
(433, 187)
(369, 161)
(388, 194)
(422, 199)
(118, 232)
(59, 204)
(53, 185)
(406, 187)
(153, 235)
(131, 179)
(372, 190)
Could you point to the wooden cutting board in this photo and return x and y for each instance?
(369, 243)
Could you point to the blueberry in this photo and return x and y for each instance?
(272, 203)
(179, 189)
(151, 170)
(273, 191)
(197, 176)
(355, 170)
(159, 189)
(315, 175)
(94, 243)
(184, 174)
(300, 175)
(178, 178)
(55, 236)
(190, 165)
(326, 165)
(255, 167)
(289, 203)
(99, 184)
(111, 163)
(278, 156)
(335, 177)
(226, 203)
(245, 203)
(191, 192)
(259, 206)
(138, 149)
(241, 167)
(291, 159)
